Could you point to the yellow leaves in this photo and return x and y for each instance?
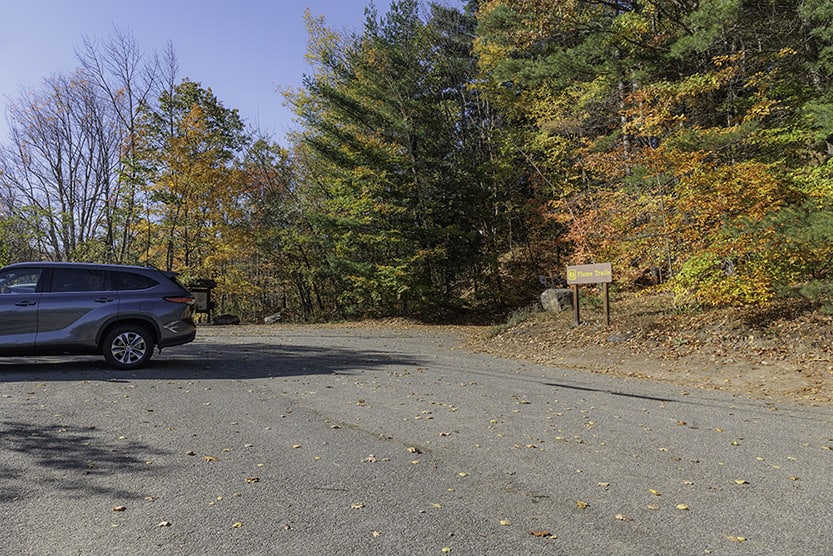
(322, 40)
(760, 110)
(723, 60)
(632, 24)
(654, 109)
(582, 505)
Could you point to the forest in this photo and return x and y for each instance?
(451, 162)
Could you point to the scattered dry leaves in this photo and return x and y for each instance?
(737, 349)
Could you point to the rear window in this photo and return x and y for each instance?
(79, 280)
(173, 278)
(124, 281)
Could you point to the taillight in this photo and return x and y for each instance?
(182, 299)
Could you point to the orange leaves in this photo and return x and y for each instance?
(666, 206)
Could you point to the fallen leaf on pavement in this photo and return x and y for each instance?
(543, 534)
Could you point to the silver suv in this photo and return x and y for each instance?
(122, 312)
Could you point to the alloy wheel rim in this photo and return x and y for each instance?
(128, 348)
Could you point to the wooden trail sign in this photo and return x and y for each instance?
(590, 274)
(601, 273)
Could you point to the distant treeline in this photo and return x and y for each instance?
(451, 161)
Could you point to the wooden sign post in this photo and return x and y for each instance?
(590, 274)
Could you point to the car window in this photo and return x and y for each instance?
(19, 281)
(79, 280)
(131, 281)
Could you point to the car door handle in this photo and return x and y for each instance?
(26, 303)
(104, 300)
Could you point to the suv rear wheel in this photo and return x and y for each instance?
(128, 346)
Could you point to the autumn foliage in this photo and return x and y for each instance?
(449, 161)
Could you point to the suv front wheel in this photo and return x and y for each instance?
(128, 346)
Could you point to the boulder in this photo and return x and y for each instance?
(619, 337)
(555, 300)
(226, 319)
(272, 319)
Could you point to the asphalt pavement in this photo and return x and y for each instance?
(272, 440)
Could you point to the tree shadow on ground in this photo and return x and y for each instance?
(67, 459)
(207, 361)
(77, 461)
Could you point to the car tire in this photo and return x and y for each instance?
(129, 346)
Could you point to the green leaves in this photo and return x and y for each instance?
(388, 131)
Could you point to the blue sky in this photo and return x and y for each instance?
(243, 49)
